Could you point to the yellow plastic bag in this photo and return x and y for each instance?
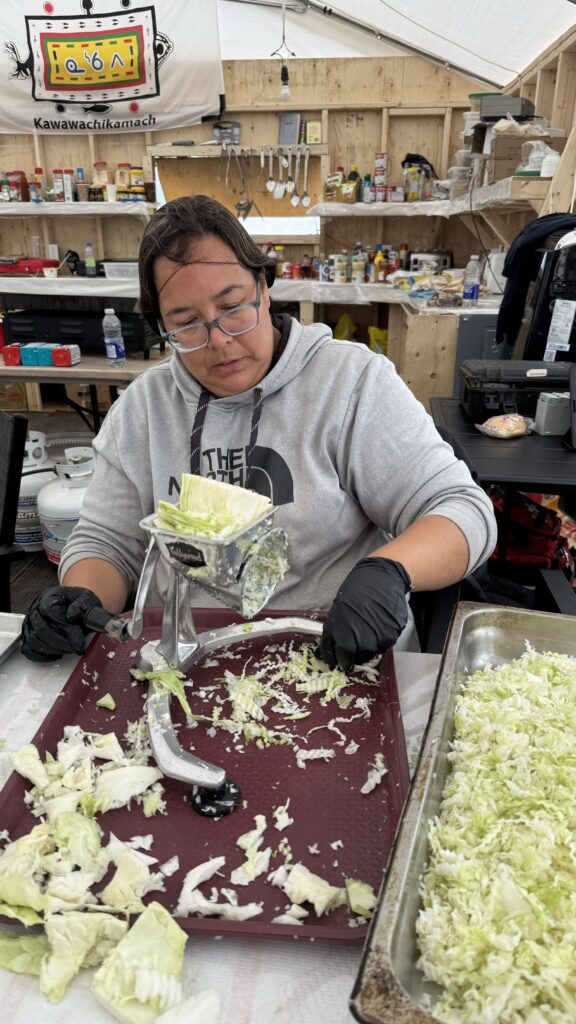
(345, 329)
(378, 340)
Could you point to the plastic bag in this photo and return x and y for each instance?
(507, 425)
(345, 329)
(378, 340)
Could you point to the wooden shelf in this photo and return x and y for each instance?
(77, 209)
(507, 196)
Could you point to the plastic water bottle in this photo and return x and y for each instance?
(112, 331)
(471, 282)
(89, 260)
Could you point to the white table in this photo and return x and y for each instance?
(258, 981)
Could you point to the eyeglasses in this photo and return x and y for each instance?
(238, 320)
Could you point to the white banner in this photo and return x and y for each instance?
(108, 65)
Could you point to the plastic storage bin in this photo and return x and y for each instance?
(120, 269)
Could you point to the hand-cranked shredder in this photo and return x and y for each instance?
(242, 571)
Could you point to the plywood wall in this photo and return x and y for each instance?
(395, 104)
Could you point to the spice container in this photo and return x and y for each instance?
(136, 176)
(101, 175)
(18, 186)
(58, 185)
(68, 180)
(122, 176)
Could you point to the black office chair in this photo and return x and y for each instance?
(13, 430)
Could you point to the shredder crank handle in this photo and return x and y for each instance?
(98, 620)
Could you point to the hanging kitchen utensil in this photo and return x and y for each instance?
(228, 150)
(271, 183)
(290, 183)
(262, 160)
(295, 197)
(240, 171)
(280, 185)
(305, 199)
(281, 156)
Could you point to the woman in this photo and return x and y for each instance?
(374, 503)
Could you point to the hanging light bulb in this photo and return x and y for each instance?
(285, 94)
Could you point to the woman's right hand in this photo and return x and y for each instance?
(55, 623)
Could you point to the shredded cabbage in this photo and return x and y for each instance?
(498, 926)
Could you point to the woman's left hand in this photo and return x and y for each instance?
(368, 614)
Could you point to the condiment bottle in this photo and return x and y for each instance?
(122, 176)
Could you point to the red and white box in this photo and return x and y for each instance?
(11, 355)
(66, 355)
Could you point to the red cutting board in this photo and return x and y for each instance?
(325, 798)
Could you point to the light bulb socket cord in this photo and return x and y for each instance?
(284, 76)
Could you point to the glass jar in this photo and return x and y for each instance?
(138, 193)
(136, 176)
(101, 175)
(122, 176)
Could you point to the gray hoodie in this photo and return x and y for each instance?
(332, 435)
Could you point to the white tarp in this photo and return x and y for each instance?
(493, 40)
(104, 66)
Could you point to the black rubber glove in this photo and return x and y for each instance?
(368, 614)
(54, 624)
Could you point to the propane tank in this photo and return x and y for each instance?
(37, 471)
(60, 502)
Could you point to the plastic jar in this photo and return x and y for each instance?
(136, 176)
(137, 193)
(58, 184)
(122, 176)
(101, 175)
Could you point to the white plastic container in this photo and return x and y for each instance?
(37, 471)
(121, 269)
(549, 165)
(60, 502)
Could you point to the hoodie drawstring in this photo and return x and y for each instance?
(198, 426)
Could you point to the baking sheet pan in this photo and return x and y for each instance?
(325, 801)
(389, 988)
(10, 626)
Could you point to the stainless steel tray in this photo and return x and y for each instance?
(10, 626)
(389, 988)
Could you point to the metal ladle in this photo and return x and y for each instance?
(295, 198)
(271, 183)
(280, 186)
(305, 199)
(290, 183)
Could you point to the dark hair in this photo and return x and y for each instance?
(179, 223)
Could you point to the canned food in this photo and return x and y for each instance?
(340, 274)
(397, 194)
(324, 271)
(381, 193)
(286, 271)
(296, 269)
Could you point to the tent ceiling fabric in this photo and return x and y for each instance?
(492, 40)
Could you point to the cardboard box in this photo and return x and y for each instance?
(506, 153)
(13, 396)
